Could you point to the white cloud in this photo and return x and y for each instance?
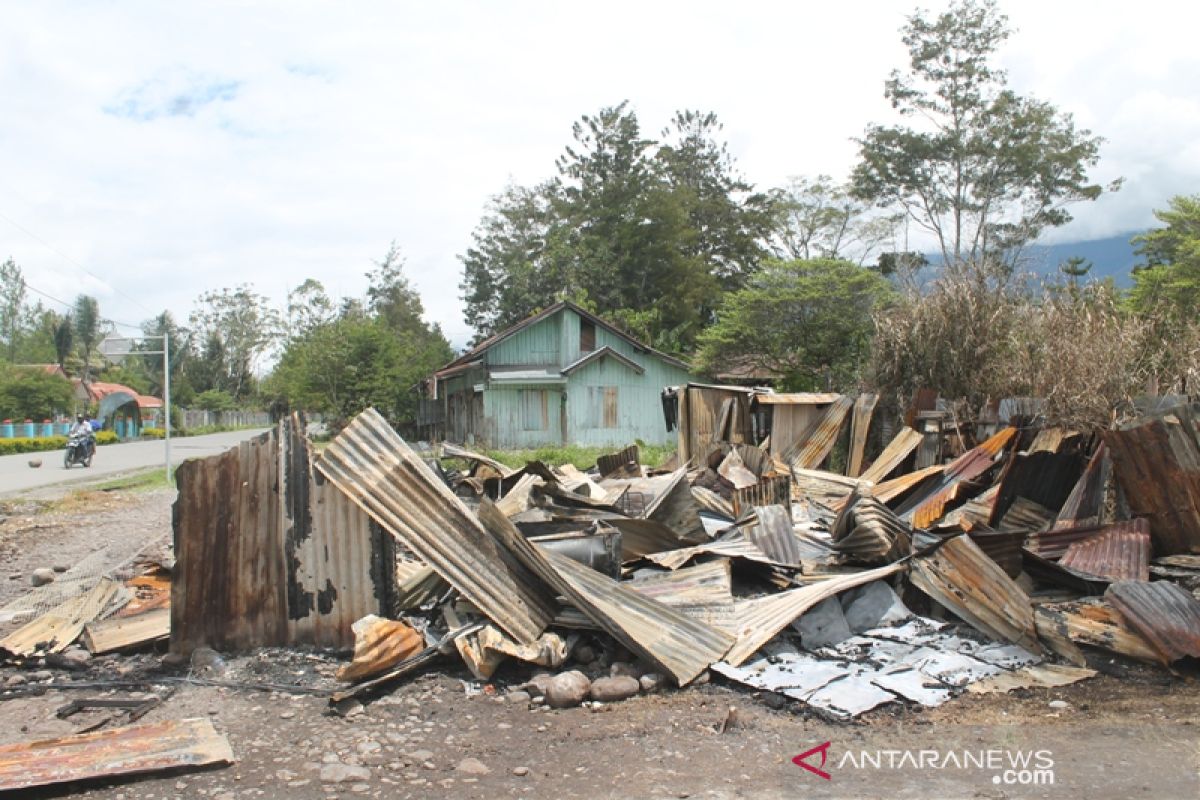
(176, 148)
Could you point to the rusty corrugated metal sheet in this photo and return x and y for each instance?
(619, 463)
(1121, 552)
(757, 621)
(1093, 622)
(898, 449)
(796, 398)
(1053, 544)
(1164, 614)
(928, 507)
(131, 750)
(890, 490)
(827, 488)
(860, 425)
(869, 531)
(61, 625)
(1085, 503)
(381, 473)
(677, 508)
(1044, 477)
(772, 533)
(713, 502)
(961, 577)
(1003, 547)
(814, 446)
(703, 584)
(1158, 465)
(729, 548)
(775, 490)
(679, 645)
(700, 418)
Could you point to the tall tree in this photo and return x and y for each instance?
(982, 169)
(64, 340)
(1168, 282)
(88, 330)
(817, 218)
(237, 326)
(12, 301)
(307, 307)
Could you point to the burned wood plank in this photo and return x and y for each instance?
(53, 631)
(126, 633)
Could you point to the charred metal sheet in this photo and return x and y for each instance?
(1093, 622)
(379, 645)
(769, 491)
(898, 449)
(928, 506)
(680, 646)
(869, 532)
(814, 446)
(1050, 572)
(1003, 547)
(1158, 466)
(1164, 614)
(960, 576)
(61, 625)
(760, 619)
(712, 502)
(738, 547)
(454, 451)
(860, 425)
(676, 508)
(640, 537)
(710, 414)
(1085, 505)
(602, 551)
(733, 469)
(132, 750)
(125, 633)
(704, 584)
(826, 488)
(1120, 553)
(1053, 544)
(381, 473)
(1026, 515)
(772, 533)
(624, 464)
(1044, 477)
(417, 589)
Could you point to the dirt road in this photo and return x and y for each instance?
(1136, 736)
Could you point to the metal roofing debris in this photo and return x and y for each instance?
(927, 507)
(379, 644)
(1164, 614)
(1093, 622)
(736, 547)
(960, 576)
(625, 463)
(57, 628)
(758, 620)
(379, 471)
(1121, 552)
(860, 425)
(897, 450)
(773, 490)
(1043, 477)
(772, 532)
(796, 398)
(454, 451)
(826, 488)
(733, 469)
(814, 445)
(132, 750)
(869, 531)
(713, 502)
(677, 508)
(1158, 466)
(703, 584)
(125, 633)
(680, 646)
(1035, 675)
(1085, 503)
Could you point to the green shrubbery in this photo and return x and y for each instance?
(42, 444)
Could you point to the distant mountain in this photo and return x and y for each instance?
(1112, 257)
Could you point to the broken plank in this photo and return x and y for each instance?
(125, 633)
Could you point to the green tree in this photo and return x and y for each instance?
(88, 330)
(817, 218)
(179, 340)
(807, 322)
(1168, 282)
(33, 394)
(12, 301)
(238, 327)
(307, 307)
(64, 340)
(983, 169)
(1075, 268)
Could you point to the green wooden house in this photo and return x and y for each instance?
(561, 376)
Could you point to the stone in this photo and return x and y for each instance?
(823, 625)
(348, 707)
(15, 680)
(35, 463)
(61, 567)
(76, 656)
(610, 690)
(518, 697)
(774, 700)
(344, 773)
(650, 682)
(873, 605)
(41, 675)
(624, 668)
(520, 772)
(206, 661)
(472, 766)
(41, 576)
(538, 683)
(420, 755)
(368, 746)
(1059, 704)
(174, 661)
(567, 689)
(584, 654)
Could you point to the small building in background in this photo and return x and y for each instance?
(561, 376)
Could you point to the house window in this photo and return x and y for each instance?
(587, 336)
(602, 407)
(535, 413)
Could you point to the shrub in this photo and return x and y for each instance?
(43, 444)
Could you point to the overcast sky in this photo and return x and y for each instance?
(170, 148)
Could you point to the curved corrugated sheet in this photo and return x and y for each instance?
(1120, 553)
(1163, 613)
(381, 473)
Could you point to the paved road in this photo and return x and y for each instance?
(17, 477)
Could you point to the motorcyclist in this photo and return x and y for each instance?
(84, 428)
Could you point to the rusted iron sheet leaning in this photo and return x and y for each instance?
(960, 576)
(1085, 503)
(814, 445)
(1158, 465)
(681, 646)
(772, 532)
(1120, 552)
(677, 508)
(1164, 614)
(769, 491)
(53, 631)
(757, 621)
(870, 531)
(860, 425)
(929, 506)
(379, 471)
(379, 645)
(623, 464)
(131, 750)
(898, 449)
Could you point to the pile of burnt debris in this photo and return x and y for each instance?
(1010, 555)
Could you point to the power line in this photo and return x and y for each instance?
(68, 306)
(73, 262)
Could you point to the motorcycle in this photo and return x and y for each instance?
(80, 449)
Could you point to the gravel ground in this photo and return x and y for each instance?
(442, 735)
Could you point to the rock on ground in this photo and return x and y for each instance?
(608, 690)
(472, 766)
(344, 773)
(567, 689)
(41, 576)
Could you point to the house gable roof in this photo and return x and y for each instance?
(475, 352)
(596, 355)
